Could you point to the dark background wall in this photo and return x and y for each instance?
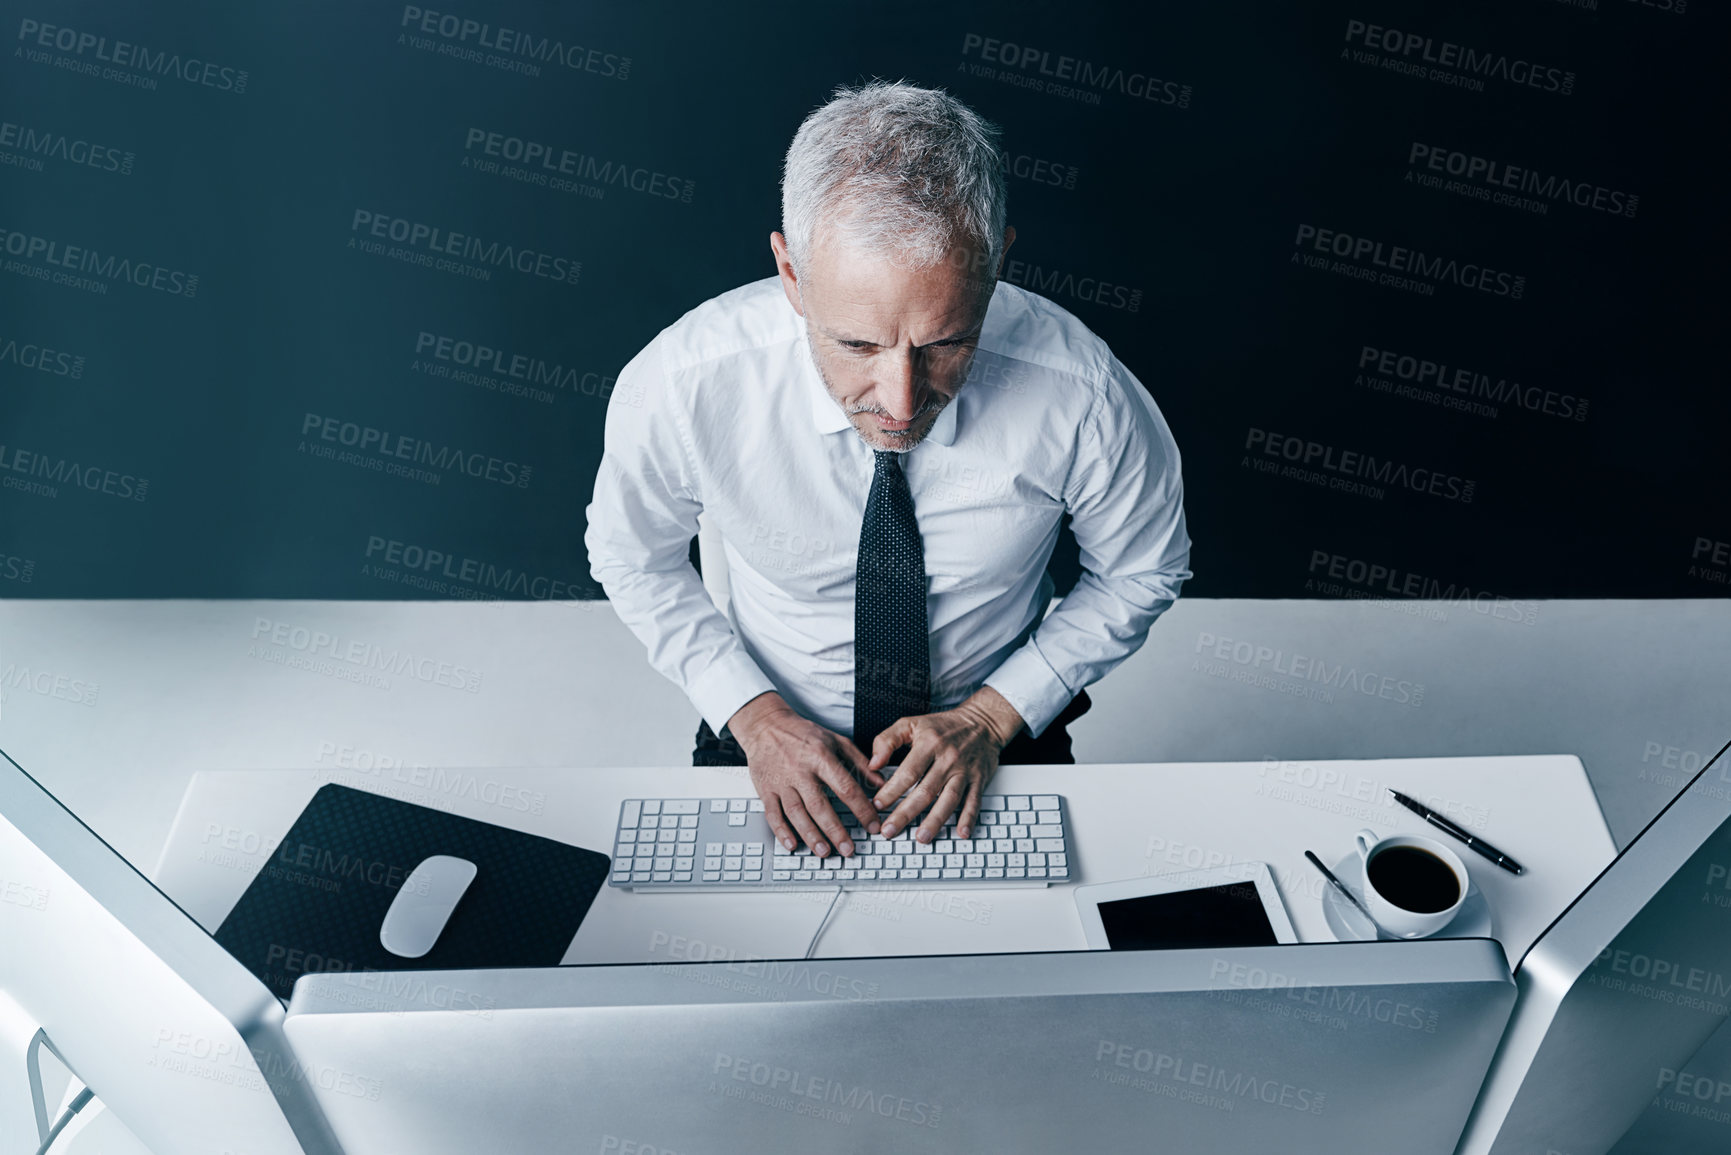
(1251, 202)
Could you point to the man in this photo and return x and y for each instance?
(887, 437)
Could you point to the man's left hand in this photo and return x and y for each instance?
(951, 756)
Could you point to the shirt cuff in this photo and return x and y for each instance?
(729, 683)
(1027, 682)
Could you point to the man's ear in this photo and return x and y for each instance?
(1009, 239)
(784, 267)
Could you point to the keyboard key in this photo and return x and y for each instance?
(1016, 802)
(1016, 872)
(682, 863)
(628, 836)
(628, 814)
(754, 862)
(922, 848)
(867, 875)
(1018, 860)
(1025, 817)
(995, 860)
(687, 836)
(718, 805)
(1057, 860)
(754, 876)
(1036, 860)
(679, 806)
(950, 872)
(730, 876)
(663, 876)
(845, 874)
(1003, 845)
(1019, 831)
(802, 876)
(1046, 802)
(994, 872)
(1047, 818)
(1049, 845)
(712, 848)
(973, 872)
(666, 835)
(664, 863)
(712, 876)
(682, 876)
(732, 863)
(964, 845)
(833, 862)
(944, 846)
(954, 861)
(892, 861)
(992, 802)
(756, 806)
(930, 872)
(1025, 846)
(908, 872)
(713, 863)
(652, 806)
(1036, 872)
(736, 805)
(781, 875)
(688, 822)
(1045, 832)
(640, 876)
(735, 848)
(975, 860)
(754, 848)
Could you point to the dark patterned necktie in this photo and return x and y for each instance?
(892, 657)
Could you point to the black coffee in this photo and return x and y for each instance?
(1414, 879)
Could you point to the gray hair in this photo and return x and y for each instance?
(895, 169)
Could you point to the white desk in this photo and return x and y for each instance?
(1126, 820)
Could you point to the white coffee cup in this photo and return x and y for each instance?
(1397, 920)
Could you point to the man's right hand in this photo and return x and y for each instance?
(791, 759)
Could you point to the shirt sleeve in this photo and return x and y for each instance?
(1125, 495)
(640, 524)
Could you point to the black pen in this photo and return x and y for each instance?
(1447, 827)
(1339, 885)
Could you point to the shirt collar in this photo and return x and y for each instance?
(827, 416)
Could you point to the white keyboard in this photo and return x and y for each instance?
(726, 844)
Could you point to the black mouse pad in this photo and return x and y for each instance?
(318, 902)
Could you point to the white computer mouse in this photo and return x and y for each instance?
(424, 904)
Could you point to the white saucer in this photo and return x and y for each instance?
(1349, 924)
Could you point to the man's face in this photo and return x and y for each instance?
(892, 344)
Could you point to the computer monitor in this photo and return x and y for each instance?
(1306, 1048)
(1627, 983)
(170, 1033)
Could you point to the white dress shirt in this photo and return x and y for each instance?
(724, 411)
